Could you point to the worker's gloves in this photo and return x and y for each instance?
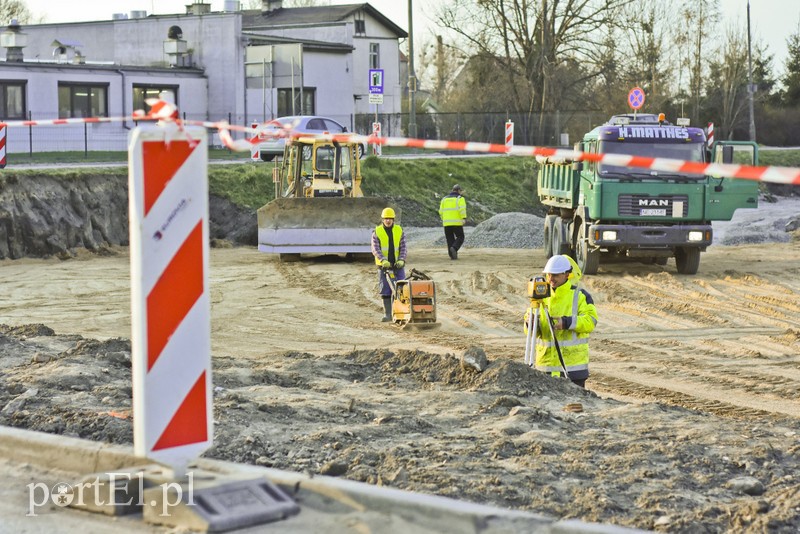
(560, 323)
(386, 264)
(399, 264)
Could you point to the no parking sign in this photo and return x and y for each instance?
(636, 98)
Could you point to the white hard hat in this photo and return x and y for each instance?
(557, 264)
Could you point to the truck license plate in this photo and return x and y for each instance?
(653, 212)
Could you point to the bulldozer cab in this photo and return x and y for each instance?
(320, 168)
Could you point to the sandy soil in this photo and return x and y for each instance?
(691, 421)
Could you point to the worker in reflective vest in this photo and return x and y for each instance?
(574, 317)
(389, 249)
(453, 211)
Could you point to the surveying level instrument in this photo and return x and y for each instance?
(539, 289)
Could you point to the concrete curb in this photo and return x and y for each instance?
(425, 512)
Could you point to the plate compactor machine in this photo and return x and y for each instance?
(413, 300)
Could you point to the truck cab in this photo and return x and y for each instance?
(616, 210)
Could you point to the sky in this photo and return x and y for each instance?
(772, 21)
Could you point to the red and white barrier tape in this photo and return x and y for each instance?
(167, 112)
(774, 174)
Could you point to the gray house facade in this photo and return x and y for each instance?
(244, 67)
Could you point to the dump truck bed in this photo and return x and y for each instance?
(323, 225)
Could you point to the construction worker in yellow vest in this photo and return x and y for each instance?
(389, 248)
(453, 211)
(573, 315)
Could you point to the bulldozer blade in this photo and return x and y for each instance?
(324, 225)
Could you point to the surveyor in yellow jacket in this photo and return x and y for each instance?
(573, 316)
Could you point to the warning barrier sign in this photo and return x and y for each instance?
(170, 305)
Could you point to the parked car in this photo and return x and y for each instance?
(271, 144)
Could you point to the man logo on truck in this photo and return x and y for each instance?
(653, 202)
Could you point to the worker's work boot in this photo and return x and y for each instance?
(387, 309)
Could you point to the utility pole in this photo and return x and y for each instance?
(412, 78)
(750, 87)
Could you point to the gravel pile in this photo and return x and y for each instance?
(508, 230)
(504, 230)
(771, 222)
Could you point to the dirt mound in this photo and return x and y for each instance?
(416, 420)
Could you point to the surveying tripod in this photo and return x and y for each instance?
(530, 340)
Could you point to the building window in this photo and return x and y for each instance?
(295, 106)
(81, 100)
(361, 27)
(141, 93)
(12, 100)
(374, 55)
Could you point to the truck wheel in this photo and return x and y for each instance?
(561, 240)
(549, 224)
(687, 259)
(588, 259)
(266, 157)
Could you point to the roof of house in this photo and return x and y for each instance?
(255, 18)
(258, 38)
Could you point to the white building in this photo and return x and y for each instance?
(240, 66)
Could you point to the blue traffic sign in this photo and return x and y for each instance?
(376, 81)
(636, 98)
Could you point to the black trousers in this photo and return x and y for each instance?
(454, 236)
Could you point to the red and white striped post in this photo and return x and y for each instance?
(710, 135)
(509, 134)
(255, 153)
(3, 132)
(170, 303)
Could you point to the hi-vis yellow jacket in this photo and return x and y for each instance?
(577, 307)
(380, 243)
(453, 210)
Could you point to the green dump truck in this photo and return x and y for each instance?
(602, 213)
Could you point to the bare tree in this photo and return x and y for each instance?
(645, 56)
(543, 48)
(698, 25)
(438, 65)
(15, 9)
(728, 88)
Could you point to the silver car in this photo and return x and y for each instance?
(272, 144)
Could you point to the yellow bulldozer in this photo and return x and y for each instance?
(319, 207)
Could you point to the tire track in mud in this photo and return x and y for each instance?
(719, 301)
(483, 308)
(627, 389)
(719, 342)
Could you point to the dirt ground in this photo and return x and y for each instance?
(691, 421)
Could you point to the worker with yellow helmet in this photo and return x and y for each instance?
(389, 249)
(573, 316)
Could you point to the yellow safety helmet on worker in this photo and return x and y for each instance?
(387, 213)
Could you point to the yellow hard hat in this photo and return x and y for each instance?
(387, 213)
